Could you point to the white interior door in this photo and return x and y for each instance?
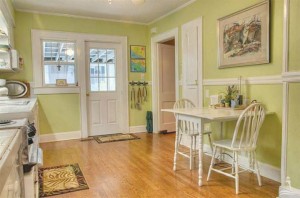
(167, 95)
(192, 61)
(104, 92)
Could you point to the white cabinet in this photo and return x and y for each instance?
(9, 59)
(31, 183)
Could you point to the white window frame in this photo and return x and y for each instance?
(38, 37)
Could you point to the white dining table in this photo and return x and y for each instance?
(201, 116)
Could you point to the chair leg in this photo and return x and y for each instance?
(236, 172)
(195, 148)
(210, 142)
(191, 153)
(251, 161)
(233, 164)
(212, 162)
(256, 168)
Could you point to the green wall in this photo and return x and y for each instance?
(210, 12)
(63, 110)
(25, 22)
(269, 143)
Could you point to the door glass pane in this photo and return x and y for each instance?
(102, 67)
(102, 56)
(103, 84)
(110, 56)
(94, 70)
(94, 84)
(102, 70)
(111, 84)
(111, 70)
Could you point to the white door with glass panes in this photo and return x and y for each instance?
(103, 66)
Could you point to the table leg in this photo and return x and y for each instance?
(222, 130)
(176, 143)
(200, 171)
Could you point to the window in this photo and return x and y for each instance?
(59, 62)
(102, 70)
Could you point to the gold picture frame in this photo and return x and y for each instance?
(243, 37)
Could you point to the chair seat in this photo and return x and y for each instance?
(227, 145)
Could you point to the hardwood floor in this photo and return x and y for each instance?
(143, 168)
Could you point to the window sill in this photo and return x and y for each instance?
(55, 90)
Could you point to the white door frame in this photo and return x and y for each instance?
(124, 122)
(172, 34)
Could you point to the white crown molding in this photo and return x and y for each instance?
(261, 80)
(7, 12)
(137, 129)
(106, 19)
(291, 77)
(171, 12)
(54, 137)
(78, 16)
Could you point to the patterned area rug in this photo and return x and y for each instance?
(61, 179)
(115, 137)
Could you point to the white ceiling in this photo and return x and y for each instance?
(119, 10)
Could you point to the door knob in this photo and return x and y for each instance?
(87, 94)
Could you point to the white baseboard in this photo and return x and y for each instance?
(266, 170)
(288, 192)
(137, 129)
(77, 134)
(60, 136)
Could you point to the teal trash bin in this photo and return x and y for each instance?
(149, 119)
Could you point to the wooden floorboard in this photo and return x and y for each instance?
(143, 168)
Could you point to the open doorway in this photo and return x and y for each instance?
(167, 89)
(164, 46)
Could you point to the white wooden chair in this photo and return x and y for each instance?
(186, 128)
(244, 140)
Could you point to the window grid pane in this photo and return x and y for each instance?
(102, 60)
(59, 62)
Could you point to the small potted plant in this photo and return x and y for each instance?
(231, 94)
